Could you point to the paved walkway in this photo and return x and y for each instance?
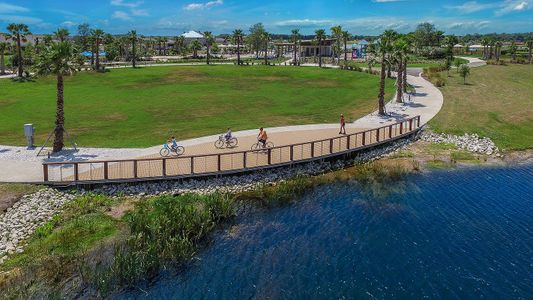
(21, 165)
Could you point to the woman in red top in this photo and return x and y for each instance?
(343, 125)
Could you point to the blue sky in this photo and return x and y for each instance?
(167, 17)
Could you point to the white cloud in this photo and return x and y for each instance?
(472, 6)
(139, 12)
(68, 24)
(126, 3)
(206, 5)
(20, 19)
(513, 6)
(6, 8)
(121, 16)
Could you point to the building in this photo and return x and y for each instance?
(192, 35)
(359, 49)
(307, 48)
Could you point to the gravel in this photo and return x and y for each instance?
(468, 142)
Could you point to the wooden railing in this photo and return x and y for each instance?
(223, 163)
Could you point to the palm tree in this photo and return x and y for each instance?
(346, 36)
(209, 40)
(132, 35)
(60, 60)
(162, 45)
(195, 47)
(266, 40)
(497, 50)
(3, 48)
(320, 36)
(61, 34)
(400, 48)
(18, 32)
(295, 38)
(409, 39)
(238, 37)
(384, 47)
(98, 36)
(485, 43)
(179, 41)
(336, 32)
(512, 50)
(529, 47)
(464, 70)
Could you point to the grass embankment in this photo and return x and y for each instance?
(496, 102)
(88, 247)
(143, 107)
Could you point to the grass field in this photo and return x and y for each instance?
(143, 107)
(497, 102)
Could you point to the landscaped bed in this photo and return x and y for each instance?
(143, 107)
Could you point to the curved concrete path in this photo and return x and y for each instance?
(21, 165)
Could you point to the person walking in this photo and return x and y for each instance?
(343, 125)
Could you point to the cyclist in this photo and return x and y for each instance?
(228, 135)
(262, 137)
(174, 143)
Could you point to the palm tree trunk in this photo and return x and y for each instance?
(60, 117)
(389, 72)
(345, 53)
(238, 53)
(207, 56)
(320, 54)
(529, 54)
(133, 54)
(295, 52)
(381, 97)
(97, 54)
(404, 73)
(19, 54)
(2, 64)
(399, 82)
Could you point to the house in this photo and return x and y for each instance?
(307, 48)
(359, 49)
(192, 35)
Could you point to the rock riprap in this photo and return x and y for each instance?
(469, 142)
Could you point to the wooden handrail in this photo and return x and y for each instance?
(135, 161)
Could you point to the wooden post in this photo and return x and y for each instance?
(312, 150)
(364, 137)
(418, 122)
(135, 169)
(348, 142)
(106, 170)
(76, 172)
(192, 164)
(218, 162)
(164, 161)
(377, 135)
(330, 146)
(269, 156)
(401, 128)
(410, 124)
(45, 172)
(244, 160)
(292, 152)
(390, 131)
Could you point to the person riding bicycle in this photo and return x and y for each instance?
(262, 137)
(228, 135)
(174, 143)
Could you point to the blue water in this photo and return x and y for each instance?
(463, 234)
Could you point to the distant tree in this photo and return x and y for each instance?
(84, 31)
(61, 34)
(255, 38)
(399, 52)
(58, 59)
(295, 38)
(195, 47)
(238, 38)
(498, 50)
(320, 36)
(209, 40)
(132, 35)
(345, 38)
(530, 48)
(98, 36)
(450, 41)
(336, 33)
(426, 35)
(18, 32)
(464, 71)
(485, 44)
(512, 50)
(162, 45)
(266, 40)
(457, 63)
(179, 42)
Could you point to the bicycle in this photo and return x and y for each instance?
(166, 150)
(222, 142)
(259, 146)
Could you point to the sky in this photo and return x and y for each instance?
(361, 17)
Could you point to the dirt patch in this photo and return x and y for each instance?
(11, 193)
(119, 210)
(184, 74)
(116, 116)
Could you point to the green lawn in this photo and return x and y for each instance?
(142, 107)
(497, 102)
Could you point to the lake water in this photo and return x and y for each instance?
(446, 234)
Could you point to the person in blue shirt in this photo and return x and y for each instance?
(228, 135)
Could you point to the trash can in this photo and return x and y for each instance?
(29, 132)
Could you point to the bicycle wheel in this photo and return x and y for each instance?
(219, 144)
(269, 145)
(256, 147)
(164, 152)
(179, 151)
(232, 143)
